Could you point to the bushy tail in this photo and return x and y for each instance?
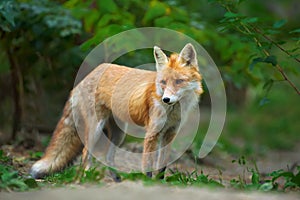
(63, 148)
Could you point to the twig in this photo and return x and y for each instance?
(276, 44)
(278, 67)
(287, 79)
(8, 190)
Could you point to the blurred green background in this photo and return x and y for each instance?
(254, 44)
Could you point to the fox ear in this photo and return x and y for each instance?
(160, 58)
(189, 55)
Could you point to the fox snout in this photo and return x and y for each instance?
(166, 99)
(169, 98)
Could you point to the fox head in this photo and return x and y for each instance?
(178, 75)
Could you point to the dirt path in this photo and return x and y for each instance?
(136, 190)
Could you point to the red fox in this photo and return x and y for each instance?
(153, 103)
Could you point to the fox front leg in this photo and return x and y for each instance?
(164, 151)
(150, 144)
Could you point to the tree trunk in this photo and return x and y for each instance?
(17, 91)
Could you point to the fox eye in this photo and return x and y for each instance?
(163, 82)
(178, 81)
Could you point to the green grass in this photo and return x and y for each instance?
(176, 178)
(74, 174)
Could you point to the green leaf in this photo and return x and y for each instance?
(295, 55)
(264, 101)
(157, 9)
(272, 32)
(17, 184)
(163, 21)
(6, 177)
(202, 178)
(293, 50)
(90, 19)
(283, 174)
(254, 62)
(179, 15)
(231, 15)
(134, 176)
(174, 177)
(280, 23)
(295, 31)
(296, 178)
(289, 184)
(31, 183)
(250, 20)
(3, 157)
(266, 187)
(242, 160)
(107, 6)
(255, 178)
(281, 42)
(106, 19)
(268, 85)
(8, 13)
(271, 59)
(36, 155)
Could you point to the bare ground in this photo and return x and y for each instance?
(136, 190)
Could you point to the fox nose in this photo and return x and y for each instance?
(166, 99)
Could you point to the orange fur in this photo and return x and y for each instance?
(133, 96)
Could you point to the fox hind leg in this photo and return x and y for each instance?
(90, 142)
(116, 137)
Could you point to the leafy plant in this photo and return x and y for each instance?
(3, 158)
(265, 183)
(10, 178)
(291, 180)
(134, 176)
(175, 178)
(93, 175)
(263, 36)
(241, 182)
(193, 178)
(36, 37)
(67, 175)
